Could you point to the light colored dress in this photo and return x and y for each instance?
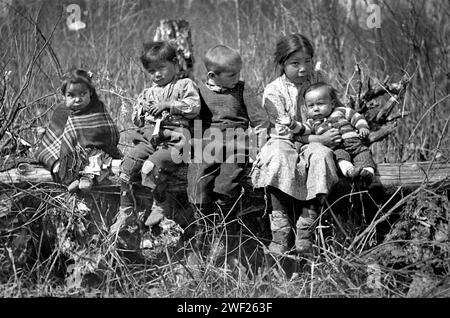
(301, 171)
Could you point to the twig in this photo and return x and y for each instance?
(436, 150)
(312, 280)
(15, 104)
(339, 225)
(423, 116)
(121, 96)
(384, 217)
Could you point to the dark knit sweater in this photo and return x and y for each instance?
(224, 110)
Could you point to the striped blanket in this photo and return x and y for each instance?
(70, 137)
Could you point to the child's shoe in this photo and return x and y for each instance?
(279, 226)
(304, 236)
(279, 244)
(86, 183)
(159, 211)
(366, 178)
(354, 173)
(303, 244)
(74, 186)
(121, 219)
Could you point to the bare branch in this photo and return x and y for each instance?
(383, 132)
(15, 105)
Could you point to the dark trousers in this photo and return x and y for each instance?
(353, 150)
(209, 181)
(217, 175)
(161, 150)
(214, 188)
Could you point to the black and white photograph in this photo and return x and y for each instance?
(224, 156)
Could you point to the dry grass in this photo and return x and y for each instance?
(59, 248)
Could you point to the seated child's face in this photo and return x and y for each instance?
(227, 79)
(298, 67)
(77, 96)
(318, 103)
(162, 73)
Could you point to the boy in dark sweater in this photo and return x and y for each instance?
(214, 175)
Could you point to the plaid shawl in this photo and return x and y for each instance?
(70, 135)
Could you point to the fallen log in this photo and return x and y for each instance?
(388, 175)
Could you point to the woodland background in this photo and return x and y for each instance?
(413, 39)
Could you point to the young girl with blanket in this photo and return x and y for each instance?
(81, 138)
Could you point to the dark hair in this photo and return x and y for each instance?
(79, 76)
(292, 43)
(158, 51)
(331, 90)
(222, 58)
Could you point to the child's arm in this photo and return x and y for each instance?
(328, 138)
(274, 103)
(310, 130)
(257, 115)
(188, 104)
(301, 129)
(358, 121)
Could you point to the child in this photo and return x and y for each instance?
(297, 177)
(161, 111)
(324, 111)
(226, 105)
(81, 138)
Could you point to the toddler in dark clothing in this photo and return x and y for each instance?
(227, 108)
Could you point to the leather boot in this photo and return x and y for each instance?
(305, 228)
(160, 210)
(126, 214)
(279, 225)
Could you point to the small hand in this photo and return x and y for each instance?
(158, 108)
(331, 138)
(364, 132)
